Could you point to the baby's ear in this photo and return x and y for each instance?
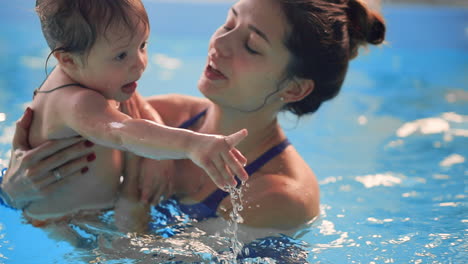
(66, 59)
(297, 90)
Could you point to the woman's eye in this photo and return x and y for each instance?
(250, 50)
(121, 56)
(144, 45)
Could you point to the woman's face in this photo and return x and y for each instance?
(247, 57)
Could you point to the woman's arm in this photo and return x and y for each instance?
(132, 206)
(131, 215)
(30, 173)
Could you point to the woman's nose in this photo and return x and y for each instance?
(221, 46)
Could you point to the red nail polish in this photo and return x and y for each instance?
(88, 143)
(84, 170)
(91, 157)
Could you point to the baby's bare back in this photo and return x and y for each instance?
(95, 189)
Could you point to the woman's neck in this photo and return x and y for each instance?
(263, 128)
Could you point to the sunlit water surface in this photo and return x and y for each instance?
(390, 152)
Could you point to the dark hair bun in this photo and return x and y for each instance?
(376, 33)
(325, 35)
(366, 26)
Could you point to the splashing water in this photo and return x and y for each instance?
(235, 219)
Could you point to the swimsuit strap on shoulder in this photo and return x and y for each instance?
(214, 199)
(36, 91)
(193, 120)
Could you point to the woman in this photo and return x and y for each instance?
(269, 56)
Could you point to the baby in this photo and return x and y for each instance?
(100, 46)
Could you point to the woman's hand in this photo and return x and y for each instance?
(146, 180)
(131, 215)
(156, 180)
(34, 173)
(138, 108)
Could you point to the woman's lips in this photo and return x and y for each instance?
(129, 88)
(213, 74)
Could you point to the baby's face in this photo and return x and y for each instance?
(116, 61)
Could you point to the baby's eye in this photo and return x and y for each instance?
(144, 45)
(121, 56)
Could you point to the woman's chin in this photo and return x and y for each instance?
(208, 88)
(204, 87)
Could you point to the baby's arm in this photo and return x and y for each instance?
(91, 115)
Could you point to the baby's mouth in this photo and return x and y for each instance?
(129, 88)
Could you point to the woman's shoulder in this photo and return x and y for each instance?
(178, 100)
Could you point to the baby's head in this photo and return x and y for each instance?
(97, 34)
(74, 25)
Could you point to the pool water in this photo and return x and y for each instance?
(389, 152)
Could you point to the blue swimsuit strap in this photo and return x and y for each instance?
(192, 120)
(214, 199)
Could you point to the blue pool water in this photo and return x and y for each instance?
(390, 152)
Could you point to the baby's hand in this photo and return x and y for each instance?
(218, 157)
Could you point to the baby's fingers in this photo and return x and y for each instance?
(238, 155)
(225, 171)
(215, 174)
(235, 166)
(234, 139)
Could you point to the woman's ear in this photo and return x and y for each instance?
(297, 90)
(66, 60)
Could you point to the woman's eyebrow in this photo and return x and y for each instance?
(253, 28)
(259, 32)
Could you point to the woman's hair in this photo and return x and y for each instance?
(325, 35)
(74, 25)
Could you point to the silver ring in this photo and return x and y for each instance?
(57, 175)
